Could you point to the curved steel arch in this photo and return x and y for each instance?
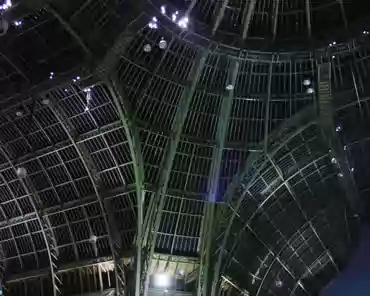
(43, 222)
(303, 120)
(94, 179)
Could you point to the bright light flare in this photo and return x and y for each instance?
(183, 22)
(6, 5)
(162, 280)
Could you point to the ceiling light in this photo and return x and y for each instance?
(17, 23)
(340, 175)
(147, 48)
(333, 160)
(153, 25)
(162, 44)
(183, 22)
(154, 19)
(21, 172)
(352, 170)
(345, 147)
(279, 283)
(19, 112)
(338, 128)
(307, 82)
(230, 87)
(334, 43)
(6, 5)
(93, 239)
(163, 9)
(310, 90)
(174, 16)
(162, 280)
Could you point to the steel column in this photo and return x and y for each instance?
(210, 208)
(153, 217)
(133, 139)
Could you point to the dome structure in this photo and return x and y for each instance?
(164, 149)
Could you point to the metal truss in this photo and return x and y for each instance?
(245, 192)
(153, 216)
(42, 220)
(204, 276)
(326, 119)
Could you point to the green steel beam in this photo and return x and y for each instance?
(133, 140)
(153, 216)
(326, 121)
(268, 102)
(106, 71)
(282, 136)
(248, 15)
(213, 181)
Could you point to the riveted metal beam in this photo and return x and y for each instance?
(205, 275)
(153, 217)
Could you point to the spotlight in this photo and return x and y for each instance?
(310, 90)
(279, 283)
(163, 9)
(333, 160)
(306, 82)
(6, 5)
(147, 48)
(153, 25)
(17, 23)
(45, 101)
(183, 22)
(182, 272)
(162, 44)
(93, 239)
(21, 172)
(340, 175)
(338, 128)
(19, 112)
(162, 280)
(230, 87)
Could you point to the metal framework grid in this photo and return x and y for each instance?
(158, 143)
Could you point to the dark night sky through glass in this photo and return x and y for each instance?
(355, 280)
